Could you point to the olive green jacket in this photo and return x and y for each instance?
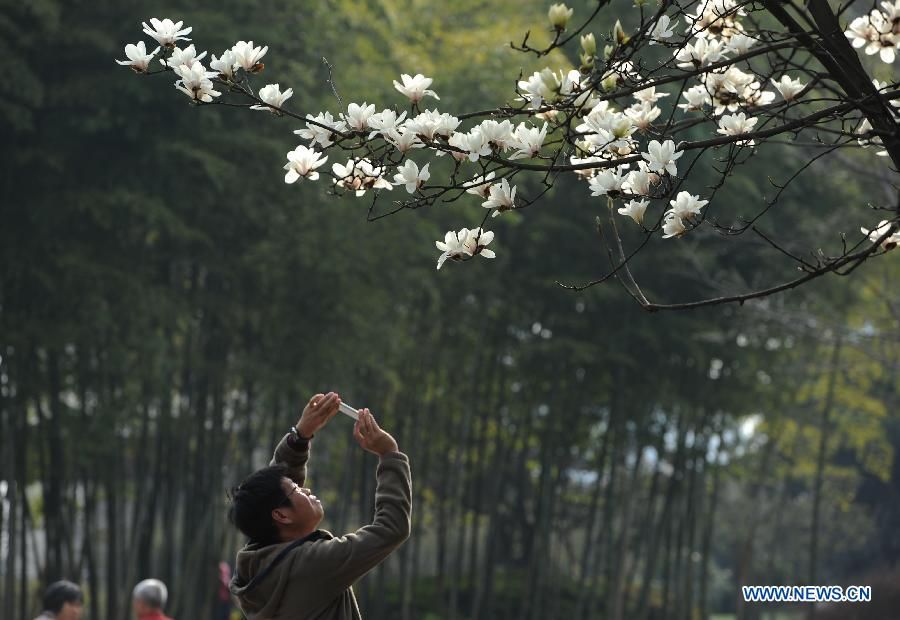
(311, 578)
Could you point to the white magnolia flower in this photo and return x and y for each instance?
(673, 226)
(639, 181)
(755, 98)
(740, 43)
(876, 32)
(385, 123)
(409, 175)
(788, 88)
(166, 32)
(884, 86)
(315, 133)
(642, 114)
(416, 87)
(732, 89)
(187, 56)
(302, 162)
(699, 54)
(736, 124)
(662, 157)
(528, 141)
(138, 58)
(865, 127)
(884, 226)
(465, 242)
(476, 242)
(247, 57)
(621, 126)
(357, 116)
(608, 131)
(404, 140)
(480, 185)
(476, 144)
(195, 82)
(272, 96)
(431, 123)
(891, 10)
(696, 97)
(535, 89)
(423, 124)
(501, 197)
(649, 95)
(453, 246)
(599, 118)
(861, 32)
(685, 206)
(662, 30)
(715, 18)
(225, 64)
(444, 124)
(359, 175)
(608, 182)
(559, 15)
(499, 135)
(635, 210)
(460, 146)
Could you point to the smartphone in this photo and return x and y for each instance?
(348, 410)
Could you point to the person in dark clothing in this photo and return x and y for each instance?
(289, 569)
(62, 601)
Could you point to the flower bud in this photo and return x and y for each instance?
(619, 34)
(608, 52)
(587, 64)
(609, 82)
(589, 44)
(551, 81)
(559, 15)
(622, 128)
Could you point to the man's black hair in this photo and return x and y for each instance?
(254, 499)
(60, 593)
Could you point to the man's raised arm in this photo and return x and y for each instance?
(293, 449)
(339, 562)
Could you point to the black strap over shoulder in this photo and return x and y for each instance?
(278, 558)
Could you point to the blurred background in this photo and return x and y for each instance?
(168, 304)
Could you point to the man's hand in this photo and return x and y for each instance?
(319, 409)
(371, 437)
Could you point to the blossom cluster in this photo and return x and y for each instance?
(878, 31)
(618, 150)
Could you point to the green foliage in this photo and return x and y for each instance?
(152, 255)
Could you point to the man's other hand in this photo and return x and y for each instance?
(319, 409)
(371, 437)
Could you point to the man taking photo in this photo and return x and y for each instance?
(289, 569)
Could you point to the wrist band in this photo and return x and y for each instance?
(297, 434)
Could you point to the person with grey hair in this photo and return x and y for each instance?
(148, 600)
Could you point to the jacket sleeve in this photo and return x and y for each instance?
(293, 453)
(339, 562)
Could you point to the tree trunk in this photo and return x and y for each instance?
(708, 530)
(620, 554)
(824, 435)
(586, 572)
(662, 523)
